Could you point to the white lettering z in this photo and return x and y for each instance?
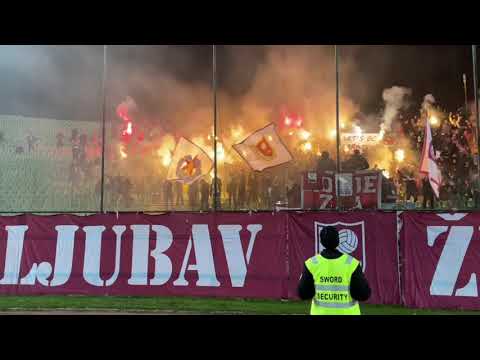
(450, 262)
(326, 200)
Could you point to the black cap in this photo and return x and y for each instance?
(329, 237)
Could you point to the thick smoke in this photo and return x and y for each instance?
(298, 78)
(169, 104)
(56, 82)
(428, 103)
(127, 106)
(396, 99)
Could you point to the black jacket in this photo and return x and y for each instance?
(356, 163)
(359, 288)
(326, 165)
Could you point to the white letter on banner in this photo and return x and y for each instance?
(204, 255)
(163, 265)
(63, 260)
(370, 186)
(358, 203)
(91, 261)
(451, 259)
(64, 254)
(232, 243)
(13, 256)
(139, 255)
(327, 184)
(358, 181)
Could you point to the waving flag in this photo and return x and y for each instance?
(429, 165)
(263, 149)
(189, 163)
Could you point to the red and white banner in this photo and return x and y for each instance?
(227, 255)
(440, 260)
(368, 236)
(189, 163)
(223, 254)
(263, 149)
(364, 139)
(318, 190)
(238, 254)
(360, 190)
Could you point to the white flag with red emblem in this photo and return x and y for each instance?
(263, 149)
(189, 163)
(429, 165)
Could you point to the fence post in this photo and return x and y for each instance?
(104, 109)
(214, 85)
(337, 120)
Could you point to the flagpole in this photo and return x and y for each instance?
(104, 106)
(214, 84)
(337, 124)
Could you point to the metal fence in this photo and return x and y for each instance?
(87, 129)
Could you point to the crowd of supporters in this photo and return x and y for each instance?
(454, 141)
(242, 189)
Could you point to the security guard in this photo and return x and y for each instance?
(332, 280)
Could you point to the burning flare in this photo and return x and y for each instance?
(128, 130)
(123, 154)
(357, 130)
(167, 159)
(307, 147)
(399, 155)
(304, 134)
(433, 120)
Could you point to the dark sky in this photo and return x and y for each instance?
(65, 82)
(425, 69)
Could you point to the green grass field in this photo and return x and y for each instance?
(185, 305)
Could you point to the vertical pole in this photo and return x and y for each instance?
(477, 115)
(465, 91)
(215, 171)
(475, 92)
(104, 108)
(337, 99)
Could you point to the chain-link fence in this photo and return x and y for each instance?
(135, 128)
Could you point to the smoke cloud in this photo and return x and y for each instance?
(172, 95)
(428, 102)
(395, 98)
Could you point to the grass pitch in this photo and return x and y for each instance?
(187, 305)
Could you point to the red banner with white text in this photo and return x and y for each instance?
(357, 190)
(440, 260)
(219, 255)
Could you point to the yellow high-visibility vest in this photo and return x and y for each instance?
(332, 285)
